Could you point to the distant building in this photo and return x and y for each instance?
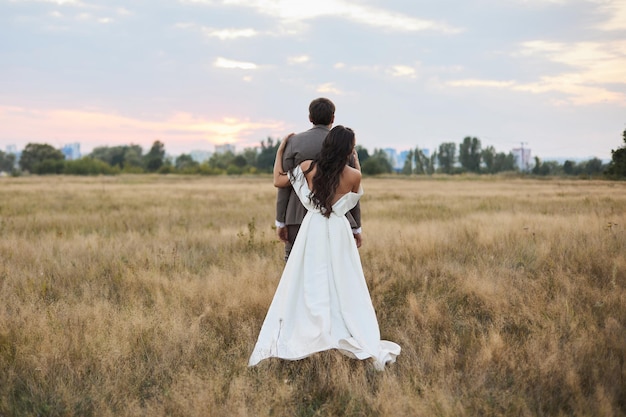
(200, 156)
(393, 156)
(12, 149)
(228, 147)
(71, 151)
(400, 158)
(522, 158)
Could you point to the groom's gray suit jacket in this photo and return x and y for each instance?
(302, 147)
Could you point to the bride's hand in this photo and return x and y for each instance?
(355, 159)
(283, 143)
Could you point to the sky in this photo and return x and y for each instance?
(546, 75)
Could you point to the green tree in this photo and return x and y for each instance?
(617, 166)
(221, 160)
(34, 155)
(432, 162)
(251, 156)
(7, 162)
(488, 157)
(593, 167)
(49, 166)
(121, 156)
(133, 156)
(504, 162)
(185, 162)
(239, 161)
(545, 168)
(233, 169)
(421, 161)
(267, 155)
(537, 168)
(469, 154)
(569, 167)
(377, 163)
(155, 158)
(167, 167)
(89, 166)
(110, 155)
(407, 169)
(446, 157)
(362, 153)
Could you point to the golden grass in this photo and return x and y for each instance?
(144, 295)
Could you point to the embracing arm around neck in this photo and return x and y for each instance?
(281, 179)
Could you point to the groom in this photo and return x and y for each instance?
(301, 147)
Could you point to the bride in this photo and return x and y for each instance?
(322, 301)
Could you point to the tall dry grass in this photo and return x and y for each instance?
(144, 295)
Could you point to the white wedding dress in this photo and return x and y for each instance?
(322, 301)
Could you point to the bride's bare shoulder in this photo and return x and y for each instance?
(352, 173)
(309, 172)
(305, 165)
(351, 178)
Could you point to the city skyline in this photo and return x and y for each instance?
(397, 155)
(523, 156)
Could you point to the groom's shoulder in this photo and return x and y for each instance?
(306, 137)
(315, 133)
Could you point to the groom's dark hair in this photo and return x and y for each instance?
(321, 111)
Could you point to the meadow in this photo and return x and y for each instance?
(143, 295)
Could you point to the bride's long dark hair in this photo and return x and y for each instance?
(330, 162)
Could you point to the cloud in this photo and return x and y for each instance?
(592, 62)
(300, 59)
(231, 64)
(532, 2)
(402, 71)
(396, 71)
(184, 25)
(576, 93)
(616, 15)
(224, 130)
(58, 2)
(294, 11)
(595, 71)
(224, 34)
(96, 127)
(482, 83)
(394, 21)
(329, 88)
(97, 12)
(613, 11)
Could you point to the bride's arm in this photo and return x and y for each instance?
(355, 159)
(356, 184)
(355, 171)
(281, 179)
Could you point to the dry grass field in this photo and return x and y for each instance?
(144, 295)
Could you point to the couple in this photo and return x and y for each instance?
(322, 301)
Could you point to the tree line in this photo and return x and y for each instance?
(449, 158)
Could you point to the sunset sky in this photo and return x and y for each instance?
(546, 74)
